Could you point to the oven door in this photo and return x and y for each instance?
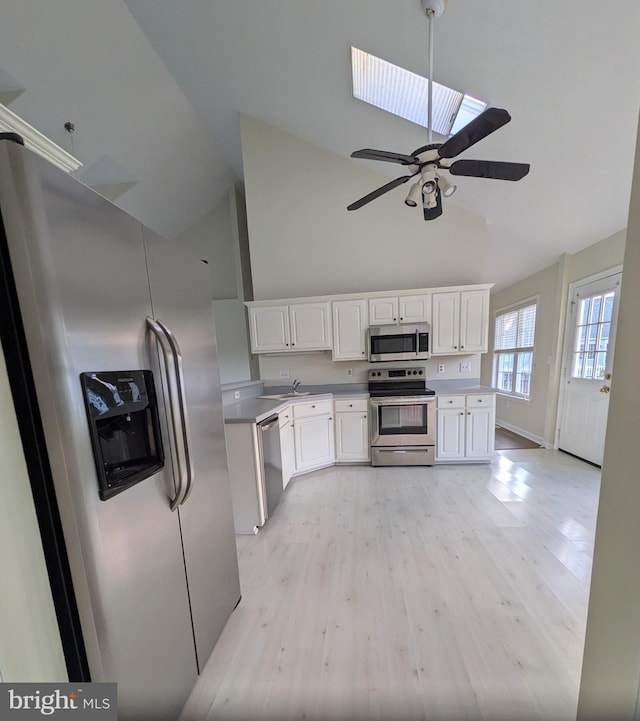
(403, 421)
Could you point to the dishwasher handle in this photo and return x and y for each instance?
(268, 423)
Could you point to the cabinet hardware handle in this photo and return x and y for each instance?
(350, 405)
(461, 347)
(313, 406)
(394, 319)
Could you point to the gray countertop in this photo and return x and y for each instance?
(255, 410)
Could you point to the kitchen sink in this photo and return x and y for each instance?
(296, 394)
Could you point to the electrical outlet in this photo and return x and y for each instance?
(349, 371)
(440, 367)
(236, 395)
(284, 374)
(465, 367)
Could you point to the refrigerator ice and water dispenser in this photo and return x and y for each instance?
(124, 427)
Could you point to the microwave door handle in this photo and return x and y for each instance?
(167, 358)
(184, 419)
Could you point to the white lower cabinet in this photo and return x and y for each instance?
(287, 445)
(313, 433)
(352, 430)
(466, 427)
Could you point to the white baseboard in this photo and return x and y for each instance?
(521, 432)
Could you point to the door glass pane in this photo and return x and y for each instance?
(608, 307)
(594, 315)
(591, 339)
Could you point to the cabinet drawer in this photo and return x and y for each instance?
(480, 400)
(285, 415)
(317, 408)
(450, 401)
(351, 404)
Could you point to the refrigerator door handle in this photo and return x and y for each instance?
(184, 418)
(174, 407)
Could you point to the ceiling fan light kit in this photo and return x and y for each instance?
(430, 161)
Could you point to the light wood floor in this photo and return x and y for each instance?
(395, 594)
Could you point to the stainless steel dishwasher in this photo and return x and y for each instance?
(270, 464)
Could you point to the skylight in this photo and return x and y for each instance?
(404, 93)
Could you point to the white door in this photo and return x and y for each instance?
(593, 313)
(415, 308)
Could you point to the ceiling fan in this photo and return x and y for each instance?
(429, 161)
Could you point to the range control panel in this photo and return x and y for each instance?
(397, 374)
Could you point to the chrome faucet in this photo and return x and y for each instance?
(294, 386)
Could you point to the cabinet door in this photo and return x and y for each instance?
(415, 308)
(349, 330)
(450, 441)
(313, 442)
(269, 328)
(474, 321)
(310, 326)
(352, 436)
(288, 452)
(480, 432)
(383, 311)
(445, 330)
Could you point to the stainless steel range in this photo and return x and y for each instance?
(403, 417)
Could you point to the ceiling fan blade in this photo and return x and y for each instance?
(485, 124)
(379, 191)
(489, 169)
(433, 213)
(385, 155)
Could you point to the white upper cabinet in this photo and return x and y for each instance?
(415, 308)
(350, 322)
(460, 322)
(459, 318)
(474, 321)
(310, 326)
(445, 329)
(383, 311)
(392, 310)
(294, 327)
(269, 328)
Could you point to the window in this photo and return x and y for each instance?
(404, 93)
(513, 350)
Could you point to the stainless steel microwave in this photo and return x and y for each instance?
(399, 342)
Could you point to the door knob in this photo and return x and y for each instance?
(605, 389)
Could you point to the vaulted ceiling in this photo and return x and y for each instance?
(566, 71)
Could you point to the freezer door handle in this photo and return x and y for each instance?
(176, 425)
(184, 418)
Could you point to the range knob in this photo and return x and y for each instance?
(420, 372)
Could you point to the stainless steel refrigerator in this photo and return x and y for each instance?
(143, 566)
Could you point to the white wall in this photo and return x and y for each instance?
(30, 648)
(611, 665)
(319, 369)
(220, 239)
(232, 340)
(210, 239)
(304, 242)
